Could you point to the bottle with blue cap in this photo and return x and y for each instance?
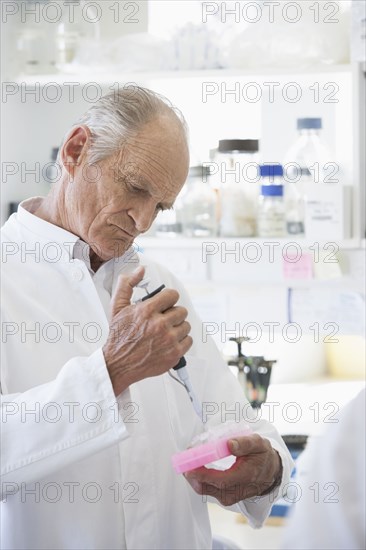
(309, 157)
(308, 161)
(271, 221)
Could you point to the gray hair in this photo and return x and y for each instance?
(120, 114)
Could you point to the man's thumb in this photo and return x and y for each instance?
(123, 294)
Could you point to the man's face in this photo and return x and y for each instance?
(112, 203)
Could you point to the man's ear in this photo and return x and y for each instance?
(75, 148)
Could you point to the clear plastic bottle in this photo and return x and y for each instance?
(308, 156)
(271, 219)
(295, 208)
(308, 161)
(237, 164)
(199, 205)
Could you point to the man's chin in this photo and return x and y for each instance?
(120, 247)
(106, 253)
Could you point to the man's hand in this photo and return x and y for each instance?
(145, 339)
(256, 471)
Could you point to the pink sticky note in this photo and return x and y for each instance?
(298, 267)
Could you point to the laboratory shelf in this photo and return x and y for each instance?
(196, 243)
(350, 78)
(107, 78)
(233, 262)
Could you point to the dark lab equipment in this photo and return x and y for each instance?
(52, 173)
(239, 361)
(13, 207)
(254, 373)
(54, 153)
(295, 443)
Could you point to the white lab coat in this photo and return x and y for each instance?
(82, 472)
(330, 512)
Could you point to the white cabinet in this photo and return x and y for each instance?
(254, 261)
(185, 260)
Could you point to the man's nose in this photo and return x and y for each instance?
(143, 215)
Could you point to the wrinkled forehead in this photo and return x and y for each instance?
(157, 157)
(161, 138)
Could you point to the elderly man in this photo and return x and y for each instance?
(91, 416)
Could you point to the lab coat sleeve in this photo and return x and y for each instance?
(224, 393)
(258, 508)
(58, 423)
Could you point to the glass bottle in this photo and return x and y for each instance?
(34, 41)
(168, 223)
(271, 219)
(78, 26)
(199, 205)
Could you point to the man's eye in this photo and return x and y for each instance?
(133, 188)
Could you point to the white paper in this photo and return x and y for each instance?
(335, 311)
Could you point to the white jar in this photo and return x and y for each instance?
(237, 163)
(237, 211)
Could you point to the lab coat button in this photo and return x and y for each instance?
(77, 274)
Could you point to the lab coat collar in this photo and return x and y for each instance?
(82, 252)
(42, 230)
(72, 246)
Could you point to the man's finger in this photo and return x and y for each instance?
(201, 477)
(247, 445)
(124, 290)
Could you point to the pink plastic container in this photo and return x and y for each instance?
(204, 454)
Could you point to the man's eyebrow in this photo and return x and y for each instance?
(146, 184)
(128, 177)
(122, 175)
